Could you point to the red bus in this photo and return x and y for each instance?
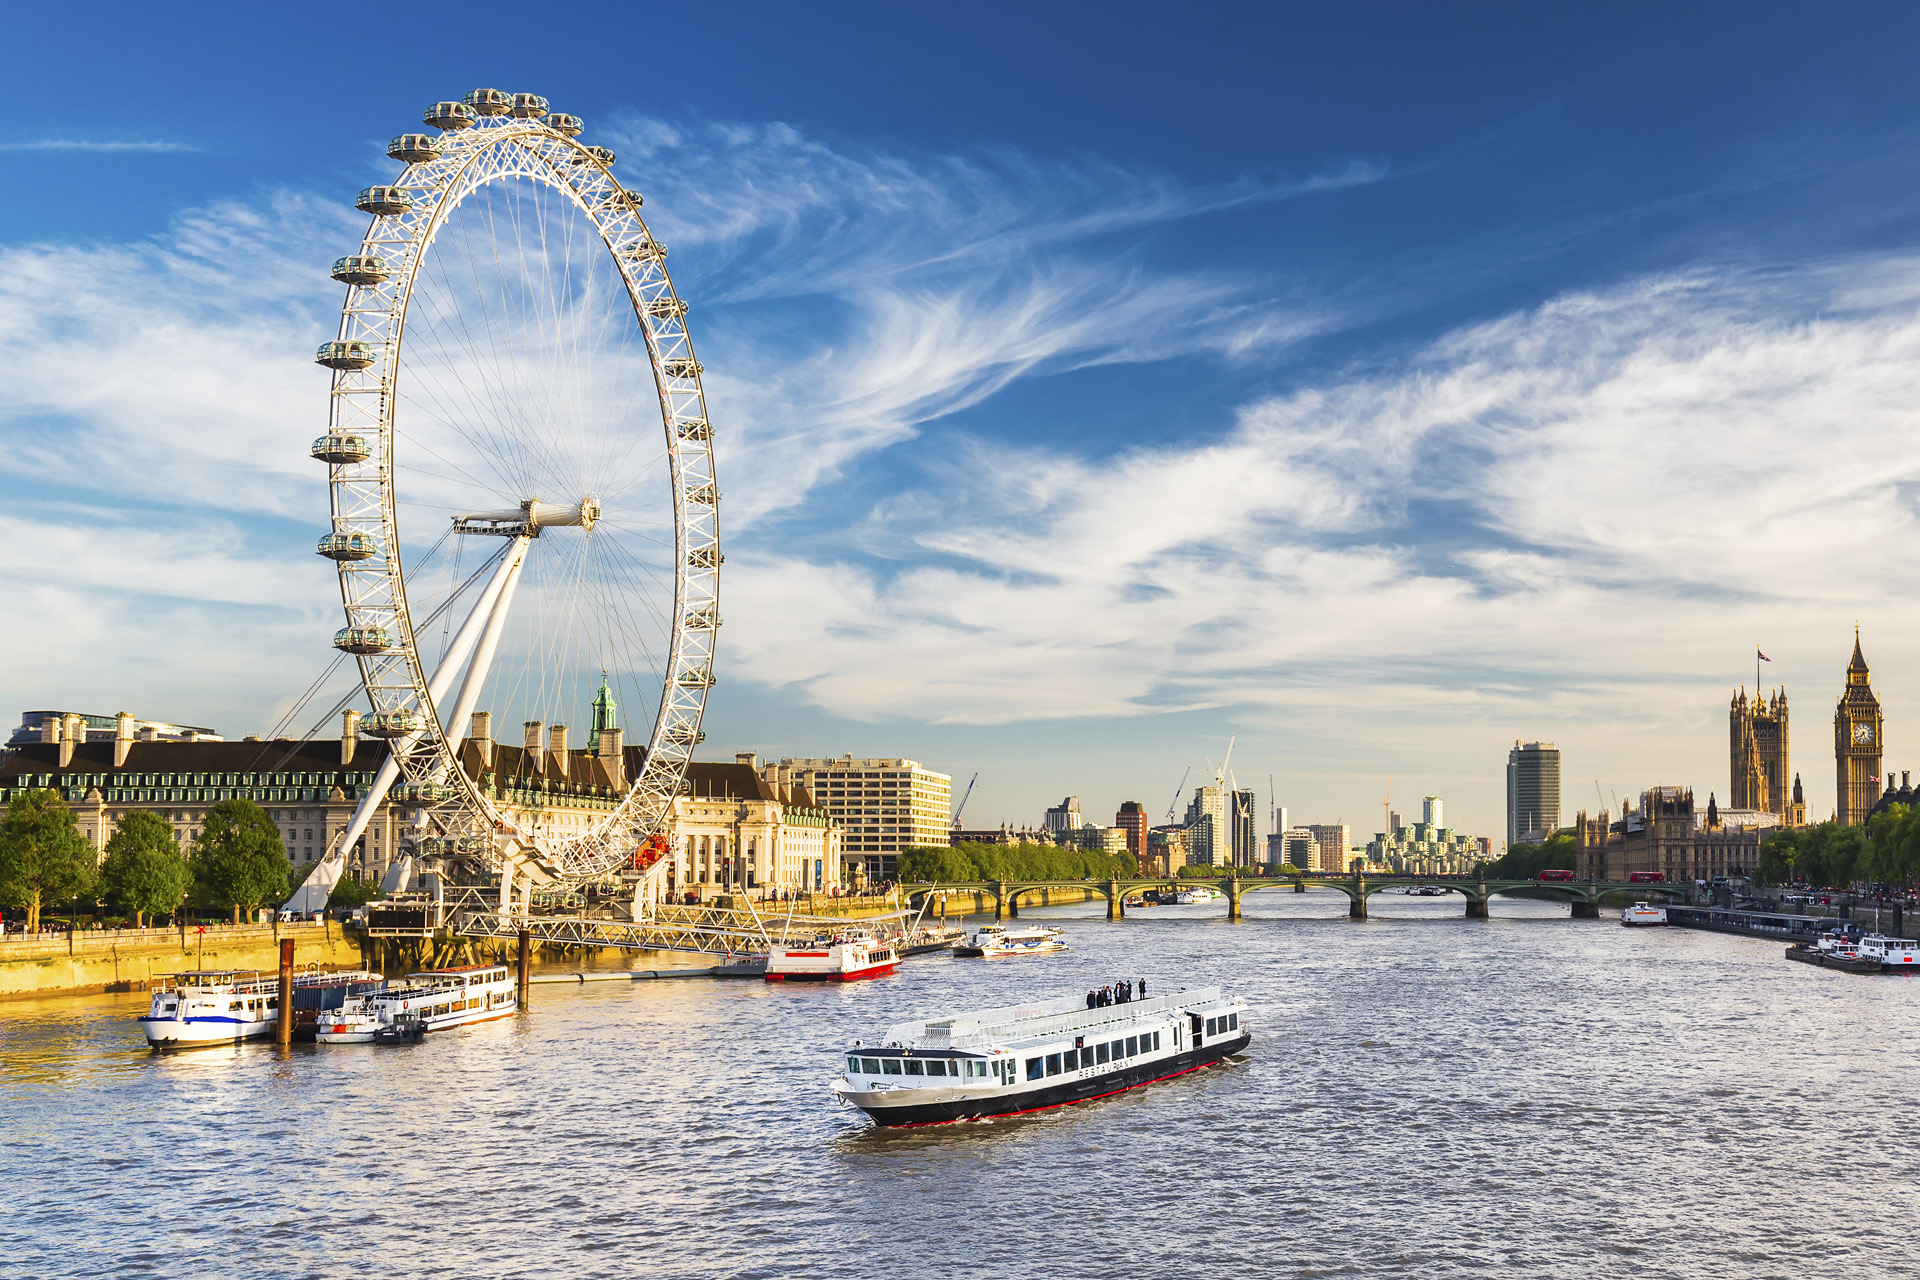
(1647, 877)
(1555, 874)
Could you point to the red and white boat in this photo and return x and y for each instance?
(835, 960)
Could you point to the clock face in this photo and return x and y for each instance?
(1863, 733)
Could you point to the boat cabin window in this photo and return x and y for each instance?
(1133, 1045)
(1036, 1067)
(1100, 1053)
(1053, 1064)
(871, 1066)
(941, 1068)
(853, 1066)
(1210, 1022)
(891, 1066)
(915, 1067)
(1156, 1040)
(1233, 1022)
(1073, 1059)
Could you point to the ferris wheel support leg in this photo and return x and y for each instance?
(497, 602)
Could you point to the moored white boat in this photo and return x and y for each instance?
(224, 1006)
(1892, 953)
(437, 999)
(833, 960)
(1031, 1057)
(998, 940)
(1641, 913)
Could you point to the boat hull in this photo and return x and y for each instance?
(852, 975)
(1015, 1102)
(181, 1033)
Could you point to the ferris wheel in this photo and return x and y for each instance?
(523, 502)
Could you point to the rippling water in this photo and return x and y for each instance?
(1425, 1095)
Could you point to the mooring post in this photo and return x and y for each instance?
(1299, 884)
(526, 966)
(283, 1031)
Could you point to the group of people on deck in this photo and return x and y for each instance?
(1119, 993)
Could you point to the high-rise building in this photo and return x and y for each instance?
(1295, 845)
(1533, 792)
(1427, 847)
(883, 805)
(1064, 817)
(1857, 744)
(1430, 808)
(1209, 843)
(1333, 845)
(1134, 818)
(1246, 829)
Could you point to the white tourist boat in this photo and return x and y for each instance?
(1643, 913)
(998, 940)
(223, 1006)
(1892, 953)
(1030, 1057)
(435, 1000)
(833, 960)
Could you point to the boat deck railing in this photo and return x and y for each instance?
(1038, 1022)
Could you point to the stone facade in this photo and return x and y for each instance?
(1857, 744)
(1667, 835)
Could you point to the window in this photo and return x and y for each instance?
(1133, 1045)
(1233, 1022)
(1100, 1053)
(1209, 1026)
(1036, 1067)
(1073, 1059)
(891, 1066)
(1156, 1040)
(915, 1067)
(1116, 1046)
(853, 1066)
(1053, 1064)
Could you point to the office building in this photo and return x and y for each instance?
(1245, 828)
(1533, 792)
(1134, 818)
(884, 806)
(1063, 817)
(1209, 841)
(1333, 846)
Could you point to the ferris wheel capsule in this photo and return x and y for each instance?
(667, 308)
(561, 122)
(694, 429)
(391, 724)
(384, 200)
(528, 106)
(488, 102)
(363, 641)
(622, 198)
(682, 368)
(341, 449)
(590, 154)
(449, 116)
(414, 148)
(361, 269)
(348, 546)
(346, 355)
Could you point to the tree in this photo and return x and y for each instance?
(348, 892)
(43, 856)
(1526, 861)
(143, 873)
(238, 860)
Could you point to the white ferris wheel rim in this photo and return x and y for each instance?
(508, 146)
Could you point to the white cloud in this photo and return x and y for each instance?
(101, 145)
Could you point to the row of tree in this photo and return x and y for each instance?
(236, 862)
(1012, 862)
(1886, 851)
(1523, 861)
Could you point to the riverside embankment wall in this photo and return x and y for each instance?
(131, 959)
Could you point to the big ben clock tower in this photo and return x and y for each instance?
(1856, 743)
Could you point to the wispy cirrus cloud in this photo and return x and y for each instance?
(102, 145)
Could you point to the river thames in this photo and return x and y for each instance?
(1424, 1095)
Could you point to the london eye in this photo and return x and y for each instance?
(523, 499)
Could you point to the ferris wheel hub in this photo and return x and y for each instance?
(529, 518)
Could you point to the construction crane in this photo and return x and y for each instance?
(1177, 793)
(1386, 812)
(964, 798)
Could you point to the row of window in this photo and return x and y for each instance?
(1230, 1022)
(917, 1066)
(196, 779)
(1092, 1055)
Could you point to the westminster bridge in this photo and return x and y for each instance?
(1582, 895)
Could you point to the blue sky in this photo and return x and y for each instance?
(1377, 383)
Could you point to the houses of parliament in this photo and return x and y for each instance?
(1757, 740)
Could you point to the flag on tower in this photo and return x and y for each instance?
(1763, 657)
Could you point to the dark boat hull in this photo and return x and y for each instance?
(1065, 1094)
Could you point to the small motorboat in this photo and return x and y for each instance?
(1136, 900)
(406, 1028)
(1641, 913)
(1891, 953)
